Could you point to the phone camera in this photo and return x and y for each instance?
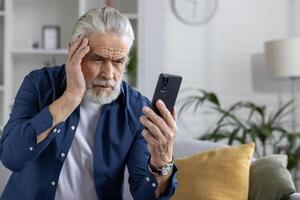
(164, 83)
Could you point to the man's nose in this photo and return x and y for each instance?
(107, 70)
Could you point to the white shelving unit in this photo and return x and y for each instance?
(21, 26)
(40, 51)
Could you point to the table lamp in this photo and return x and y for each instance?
(283, 61)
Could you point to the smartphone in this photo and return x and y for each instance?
(167, 88)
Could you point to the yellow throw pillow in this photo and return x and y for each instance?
(219, 174)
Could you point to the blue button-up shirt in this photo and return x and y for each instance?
(118, 143)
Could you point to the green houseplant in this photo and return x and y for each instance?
(132, 65)
(245, 122)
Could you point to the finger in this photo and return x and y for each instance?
(152, 142)
(157, 120)
(76, 62)
(73, 39)
(149, 138)
(80, 55)
(152, 128)
(74, 45)
(82, 50)
(165, 113)
(174, 114)
(83, 44)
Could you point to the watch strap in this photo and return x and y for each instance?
(160, 170)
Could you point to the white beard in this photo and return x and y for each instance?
(103, 97)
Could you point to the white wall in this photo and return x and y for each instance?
(223, 55)
(151, 42)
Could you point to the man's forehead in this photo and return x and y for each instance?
(99, 42)
(101, 49)
(108, 53)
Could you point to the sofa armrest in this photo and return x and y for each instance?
(295, 196)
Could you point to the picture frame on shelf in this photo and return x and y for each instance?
(50, 37)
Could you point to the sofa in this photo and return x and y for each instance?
(182, 148)
(186, 147)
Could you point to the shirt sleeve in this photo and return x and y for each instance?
(18, 142)
(142, 182)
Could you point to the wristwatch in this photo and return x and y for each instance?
(164, 170)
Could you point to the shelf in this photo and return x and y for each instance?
(2, 13)
(33, 1)
(40, 51)
(1, 88)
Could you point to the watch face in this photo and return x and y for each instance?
(194, 12)
(166, 170)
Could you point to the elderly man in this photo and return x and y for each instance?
(75, 127)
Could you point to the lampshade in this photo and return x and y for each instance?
(283, 57)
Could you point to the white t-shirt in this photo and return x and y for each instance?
(76, 180)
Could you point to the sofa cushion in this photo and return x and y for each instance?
(219, 174)
(269, 179)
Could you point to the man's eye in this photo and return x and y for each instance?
(98, 60)
(119, 61)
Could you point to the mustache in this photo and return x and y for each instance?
(103, 83)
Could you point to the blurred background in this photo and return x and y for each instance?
(216, 46)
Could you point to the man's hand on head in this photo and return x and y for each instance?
(67, 103)
(78, 49)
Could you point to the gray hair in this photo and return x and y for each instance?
(104, 20)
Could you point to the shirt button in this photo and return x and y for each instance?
(73, 127)
(54, 131)
(62, 155)
(30, 148)
(53, 183)
(154, 185)
(58, 131)
(147, 179)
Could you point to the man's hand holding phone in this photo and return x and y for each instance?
(160, 123)
(160, 133)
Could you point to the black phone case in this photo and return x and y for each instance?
(167, 92)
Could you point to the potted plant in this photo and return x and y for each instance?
(245, 122)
